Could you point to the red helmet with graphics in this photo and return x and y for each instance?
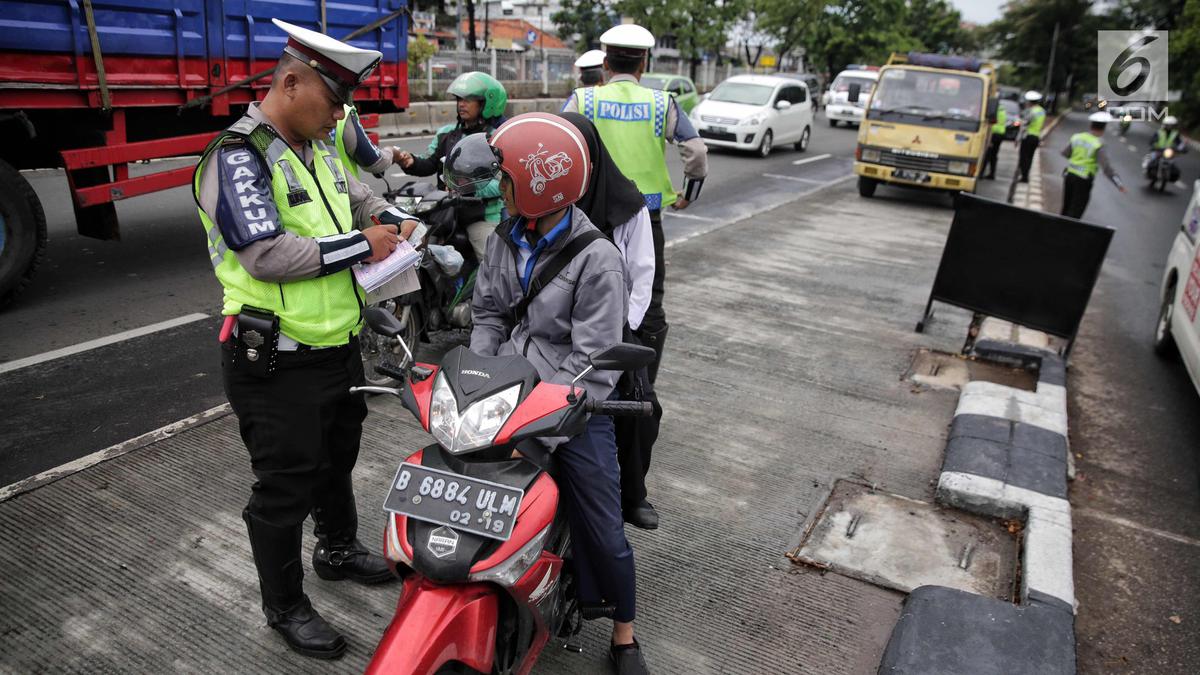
(547, 160)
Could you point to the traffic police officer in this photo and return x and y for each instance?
(998, 129)
(1085, 154)
(591, 68)
(280, 212)
(635, 123)
(1167, 135)
(355, 148)
(1034, 119)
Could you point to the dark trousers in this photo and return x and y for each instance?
(989, 159)
(302, 428)
(590, 487)
(1029, 145)
(1076, 192)
(636, 435)
(653, 329)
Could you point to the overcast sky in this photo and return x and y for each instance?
(979, 11)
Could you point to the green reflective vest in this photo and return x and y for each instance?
(1001, 122)
(1083, 162)
(324, 311)
(1163, 140)
(1037, 118)
(632, 121)
(339, 135)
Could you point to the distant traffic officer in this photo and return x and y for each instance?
(1032, 122)
(591, 68)
(1085, 154)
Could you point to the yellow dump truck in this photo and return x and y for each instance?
(927, 123)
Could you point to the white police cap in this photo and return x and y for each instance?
(342, 66)
(1102, 117)
(1032, 95)
(590, 59)
(628, 36)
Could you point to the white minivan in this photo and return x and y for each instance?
(756, 112)
(1178, 326)
(838, 107)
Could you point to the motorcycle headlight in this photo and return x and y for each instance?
(959, 167)
(476, 426)
(408, 204)
(423, 206)
(1169, 153)
(510, 571)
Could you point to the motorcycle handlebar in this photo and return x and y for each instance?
(390, 370)
(621, 408)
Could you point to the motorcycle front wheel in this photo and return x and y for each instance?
(377, 349)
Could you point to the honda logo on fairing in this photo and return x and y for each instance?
(443, 542)
(476, 373)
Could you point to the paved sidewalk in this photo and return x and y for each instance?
(790, 334)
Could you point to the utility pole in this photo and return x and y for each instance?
(1050, 70)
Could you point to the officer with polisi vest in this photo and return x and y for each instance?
(635, 123)
(591, 68)
(1085, 156)
(1168, 136)
(1032, 122)
(285, 221)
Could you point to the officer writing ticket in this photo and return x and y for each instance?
(373, 275)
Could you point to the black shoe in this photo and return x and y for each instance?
(306, 632)
(334, 562)
(628, 659)
(991, 177)
(643, 515)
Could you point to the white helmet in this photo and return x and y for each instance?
(1032, 95)
(1170, 121)
(1101, 117)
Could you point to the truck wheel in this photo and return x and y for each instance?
(866, 186)
(22, 233)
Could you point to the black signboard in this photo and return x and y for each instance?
(1032, 268)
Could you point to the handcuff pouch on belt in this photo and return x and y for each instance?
(257, 341)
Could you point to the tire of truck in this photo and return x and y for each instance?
(866, 186)
(22, 233)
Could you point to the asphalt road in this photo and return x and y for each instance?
(1135, 431)
(71, 406)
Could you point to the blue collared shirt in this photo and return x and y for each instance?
(528, 254)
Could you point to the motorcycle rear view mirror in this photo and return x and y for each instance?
(621, 357)
(383, 322)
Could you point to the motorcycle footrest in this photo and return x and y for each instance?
(593, 611)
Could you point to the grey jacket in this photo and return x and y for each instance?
(582, 310)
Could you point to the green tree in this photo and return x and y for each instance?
(698, 26)
(585, 20)
(420, 51)
(1185, 65)
(938, 27)
(835, 34)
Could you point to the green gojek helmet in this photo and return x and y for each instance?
(481, 87)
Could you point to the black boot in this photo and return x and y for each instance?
(338, 554)
(642, 515)
(654, 340)
(281, 578)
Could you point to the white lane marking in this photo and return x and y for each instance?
(99, 342)
(811, 159)
(1117, 520)
(1133, 148)
(754, 212)
(75, 466)
(688, 216)
(794, 178)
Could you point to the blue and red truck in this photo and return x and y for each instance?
(90, 86)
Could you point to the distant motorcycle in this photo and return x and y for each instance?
(1160, 168)
(1126, 120)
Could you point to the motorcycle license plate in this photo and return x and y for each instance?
(445, 498)
(908, 174)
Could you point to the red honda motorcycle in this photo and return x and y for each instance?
(473, 524)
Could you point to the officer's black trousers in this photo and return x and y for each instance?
(993, 152)
(1029, 145)
(1076, 192)
(653, 329)
(302, 428)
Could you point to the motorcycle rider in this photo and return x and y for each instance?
(1167, 137)
(1085, 154)
(480, 102)
(545, 167)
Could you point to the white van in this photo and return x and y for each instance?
(838, 107)
(1178, 326)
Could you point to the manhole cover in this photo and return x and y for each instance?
(902, 543)
(951, 371)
